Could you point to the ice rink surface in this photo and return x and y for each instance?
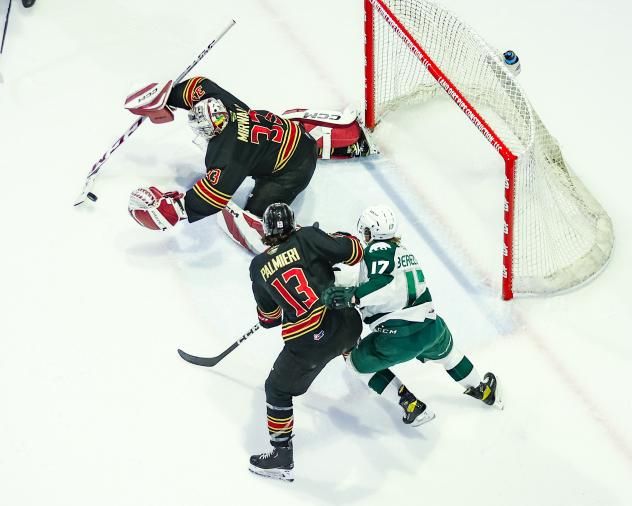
(96, 407)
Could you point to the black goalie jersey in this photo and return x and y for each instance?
(254, 143)
(288, 279)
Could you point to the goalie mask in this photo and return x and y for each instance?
(377, 223)
(208, 118)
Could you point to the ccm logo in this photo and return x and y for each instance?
(321, 115)
(152, 92)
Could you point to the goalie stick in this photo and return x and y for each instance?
(211, 361)
(86, 193)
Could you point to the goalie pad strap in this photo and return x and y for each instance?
(326, 143)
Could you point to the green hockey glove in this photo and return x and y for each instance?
(339, 297)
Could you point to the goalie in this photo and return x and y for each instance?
(278, 152)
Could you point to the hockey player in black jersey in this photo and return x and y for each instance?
(241, 142)
(287, 282)
(278, 153)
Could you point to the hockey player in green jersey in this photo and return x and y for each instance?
(395, 302)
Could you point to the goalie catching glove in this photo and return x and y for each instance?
(340, 297)
(156, 210)
(151, 101)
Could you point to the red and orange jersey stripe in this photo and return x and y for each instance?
(309, 323)
(189, 89)
(269, 318)
(280, 425)
(357, 252)
(211, 195)
(289, 142)
(272, 314)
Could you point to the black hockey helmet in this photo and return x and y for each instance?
(278, 223)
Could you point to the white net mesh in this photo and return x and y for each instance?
(561, 235)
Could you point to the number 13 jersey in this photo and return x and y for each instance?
(288, 279)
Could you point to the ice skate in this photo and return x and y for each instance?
(277, 463)
(487, 391)
(415, 411)
(364, 145)
(359, 148)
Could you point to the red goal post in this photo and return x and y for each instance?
(403, 41)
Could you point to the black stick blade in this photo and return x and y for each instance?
(203, 361)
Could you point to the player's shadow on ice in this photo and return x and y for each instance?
(190, 244)
(187, 174)
(201, 244)
(367, 423)
(380, 444)
(377, 445)
(330, 489)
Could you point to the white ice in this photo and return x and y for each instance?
(96, 407)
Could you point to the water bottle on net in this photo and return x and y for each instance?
(512, 62)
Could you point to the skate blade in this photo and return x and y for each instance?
(425, 417)
(276, 474)
(498, 400)
(498, 397)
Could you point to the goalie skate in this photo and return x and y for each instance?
(366, 143)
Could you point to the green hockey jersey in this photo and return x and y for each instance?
(392, 286)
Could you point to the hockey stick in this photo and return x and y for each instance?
(211, 361)
(6, 24)
(86, 193)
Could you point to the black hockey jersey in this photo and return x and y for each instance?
(254, 143)
(288, 279)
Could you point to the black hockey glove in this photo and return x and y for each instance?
(339, 297)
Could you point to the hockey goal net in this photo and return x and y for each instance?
(556, 235)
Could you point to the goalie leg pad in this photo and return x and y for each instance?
(332, 130)
(321, 116)
(242, 227)
(332, 140)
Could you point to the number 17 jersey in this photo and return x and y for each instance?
(392, 286)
